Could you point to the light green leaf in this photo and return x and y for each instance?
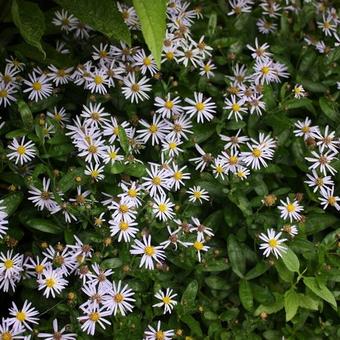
(26, 114)
(291, 261)
(103, 17)
(246, 295)
(189, 296)
(152, 15)
(328, 108)
(307, 302)
(123, 139)
(30, 21)
(320, 290)
(291, 303)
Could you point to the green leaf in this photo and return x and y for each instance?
(26, 114)
(258, 270)
(11, 202)
(320, 290)
(111, 263)
(30, 21)
(216, 282)
(135, 169)
(328, 108)
(40, 224)
(318, 222)
(189, 296)
(291, 260)
(291, 303)
(104, 18)
(123, 139)
(246, 295)
(307, 302)
(271, 308)
(236, 256)
(192, 324)
(152, 15)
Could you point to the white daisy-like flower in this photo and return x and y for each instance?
(299, 91)
(202, 109)
(22, 152)
(124, 229)
(202, 161)
(64, 20)
(168, 107)
(7, 92)
(94, 315)
(39, 87)
(327, 198)
(197, 194)
(173, 239)
(135, 90)
(157, 130)
(10, 265)
(146, 63)
(158, 180)
(111, 155)
(199, 246)
(167, 300)
(318, 182)
(234, 142)
(171, 146)
(272, 243)
(290, 210)
(60, 76)
(322, 162)
(43, 199)
(95, 171)
(149, 253)
(163, 208)
(206, 69)
(235, 108)
(3, 220)
(158, 334)
(119, 298)
(7, 332)
(200, 229)
(97, 81)
(22, 317)
(94, 115)
(259, 52)
(57, 333)
(292, 230)
(327, 140)
(305, 129)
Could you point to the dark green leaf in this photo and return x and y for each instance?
(236, 256)
(246, 295)
(30, 21)
(291, 260)
(26, 114)
(45, 226)
(11, 202)
(104, 18)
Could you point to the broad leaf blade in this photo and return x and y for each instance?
(152, 15)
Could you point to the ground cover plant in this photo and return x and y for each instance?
(169, 169)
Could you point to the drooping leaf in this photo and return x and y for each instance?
(152, 15)
(291, 261)
(291, 302)
(103, 17)
(30, 20)
(320, 290)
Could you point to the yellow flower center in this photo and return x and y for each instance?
(94, 173)
(153, 128)
(123, 225)
(197, 194)
(123, 208)
(233, 160)
(149, 250)
(94, 316)
(265, 70)
(21, 150)
(21, 316)
(50, 283)
(116, 130)
(39, 268)
(98, 80)
(147, 61)
(219, 169)
(177, 175)
(169, 55)
(119, 297)
(235, 107)
(198, 245)
(3, 93)
(166, 300)
(135, 87)
(95, 115)
(92, 149)
(6, 336)
(162, 207)
(305, 129)
(132, 192)
(256, 153)
(169, 104)
(156, 180)
(160, 335)
(172, 146)
(206, 68)
(113, 155)
(200, 106)
(273, 243)
(102, 54)
(290, 207)
(9, 264)
(331, 200)
(36, 86)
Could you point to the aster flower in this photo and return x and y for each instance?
(163, 208)
(58, 333)
(52, 281)
(290, 210)
(202, 109)
(43, 199)
(149, 253)
(39, 87)
(135, 90)
(272, 243)
(22, 317)
(327, 198)
(22, 152)
(93, 316)
(167, 300)
(197, 194)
